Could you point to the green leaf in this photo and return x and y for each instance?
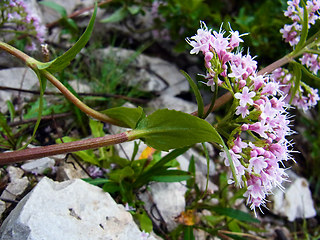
(119, 174)
(5, 127)
(134, 9)
(188, 233)
(196, 92)
(192, 171)
(117, 16)
(304, 32)
(145, 221)
(55, 6)
(11, 110)
(213, 220)
(167, 129)
(63, 61)
(96, 181)
(111, 187)
(297, 72)
(96, 128)
(234, 213)
(171, 176)
(127, 117)
(43, 84)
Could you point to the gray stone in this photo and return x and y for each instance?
(2, 207)
(70, 169)
(69, 5)
(150, 73)
(169, 200)
(71, 210)
(295, 201)
(16, 78)
(17, 184)
(38, 166)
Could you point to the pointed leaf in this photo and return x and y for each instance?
(171, 176)
(117, 16)
(234, 213)
(196, 92)
(63, 61)
(167, 129)
(55, 6)
(304, 32)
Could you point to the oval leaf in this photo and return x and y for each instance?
(127, 117)
(167, 129)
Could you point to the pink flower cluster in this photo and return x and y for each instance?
(291, 32)
(217, 51)
(17, 12)
(305, 97)
(258, 142)
(264, 118)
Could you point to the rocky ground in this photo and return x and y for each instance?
(45, 198)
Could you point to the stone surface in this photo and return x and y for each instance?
(295, 201)
(71, 210)
(69, 5)
(70, 169)
(169, 200)
(150, 73)
(38, 166)
(22, 77)
(17, 184)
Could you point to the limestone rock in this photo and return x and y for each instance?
(71, 210)
(38, 166)
(17, 184)
(169, 200)
(295, 201)
(16, 78)
(150, 73)
(70, 169)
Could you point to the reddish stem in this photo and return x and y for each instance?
(40, 152)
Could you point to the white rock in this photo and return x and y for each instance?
(169, 200)
(71, 210)
(296, 200)
(38, 166)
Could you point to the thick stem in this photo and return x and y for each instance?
(40, 152)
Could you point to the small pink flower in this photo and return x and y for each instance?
(245, 97)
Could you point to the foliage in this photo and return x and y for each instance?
(251, 135)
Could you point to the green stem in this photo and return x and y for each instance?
(40, 152)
